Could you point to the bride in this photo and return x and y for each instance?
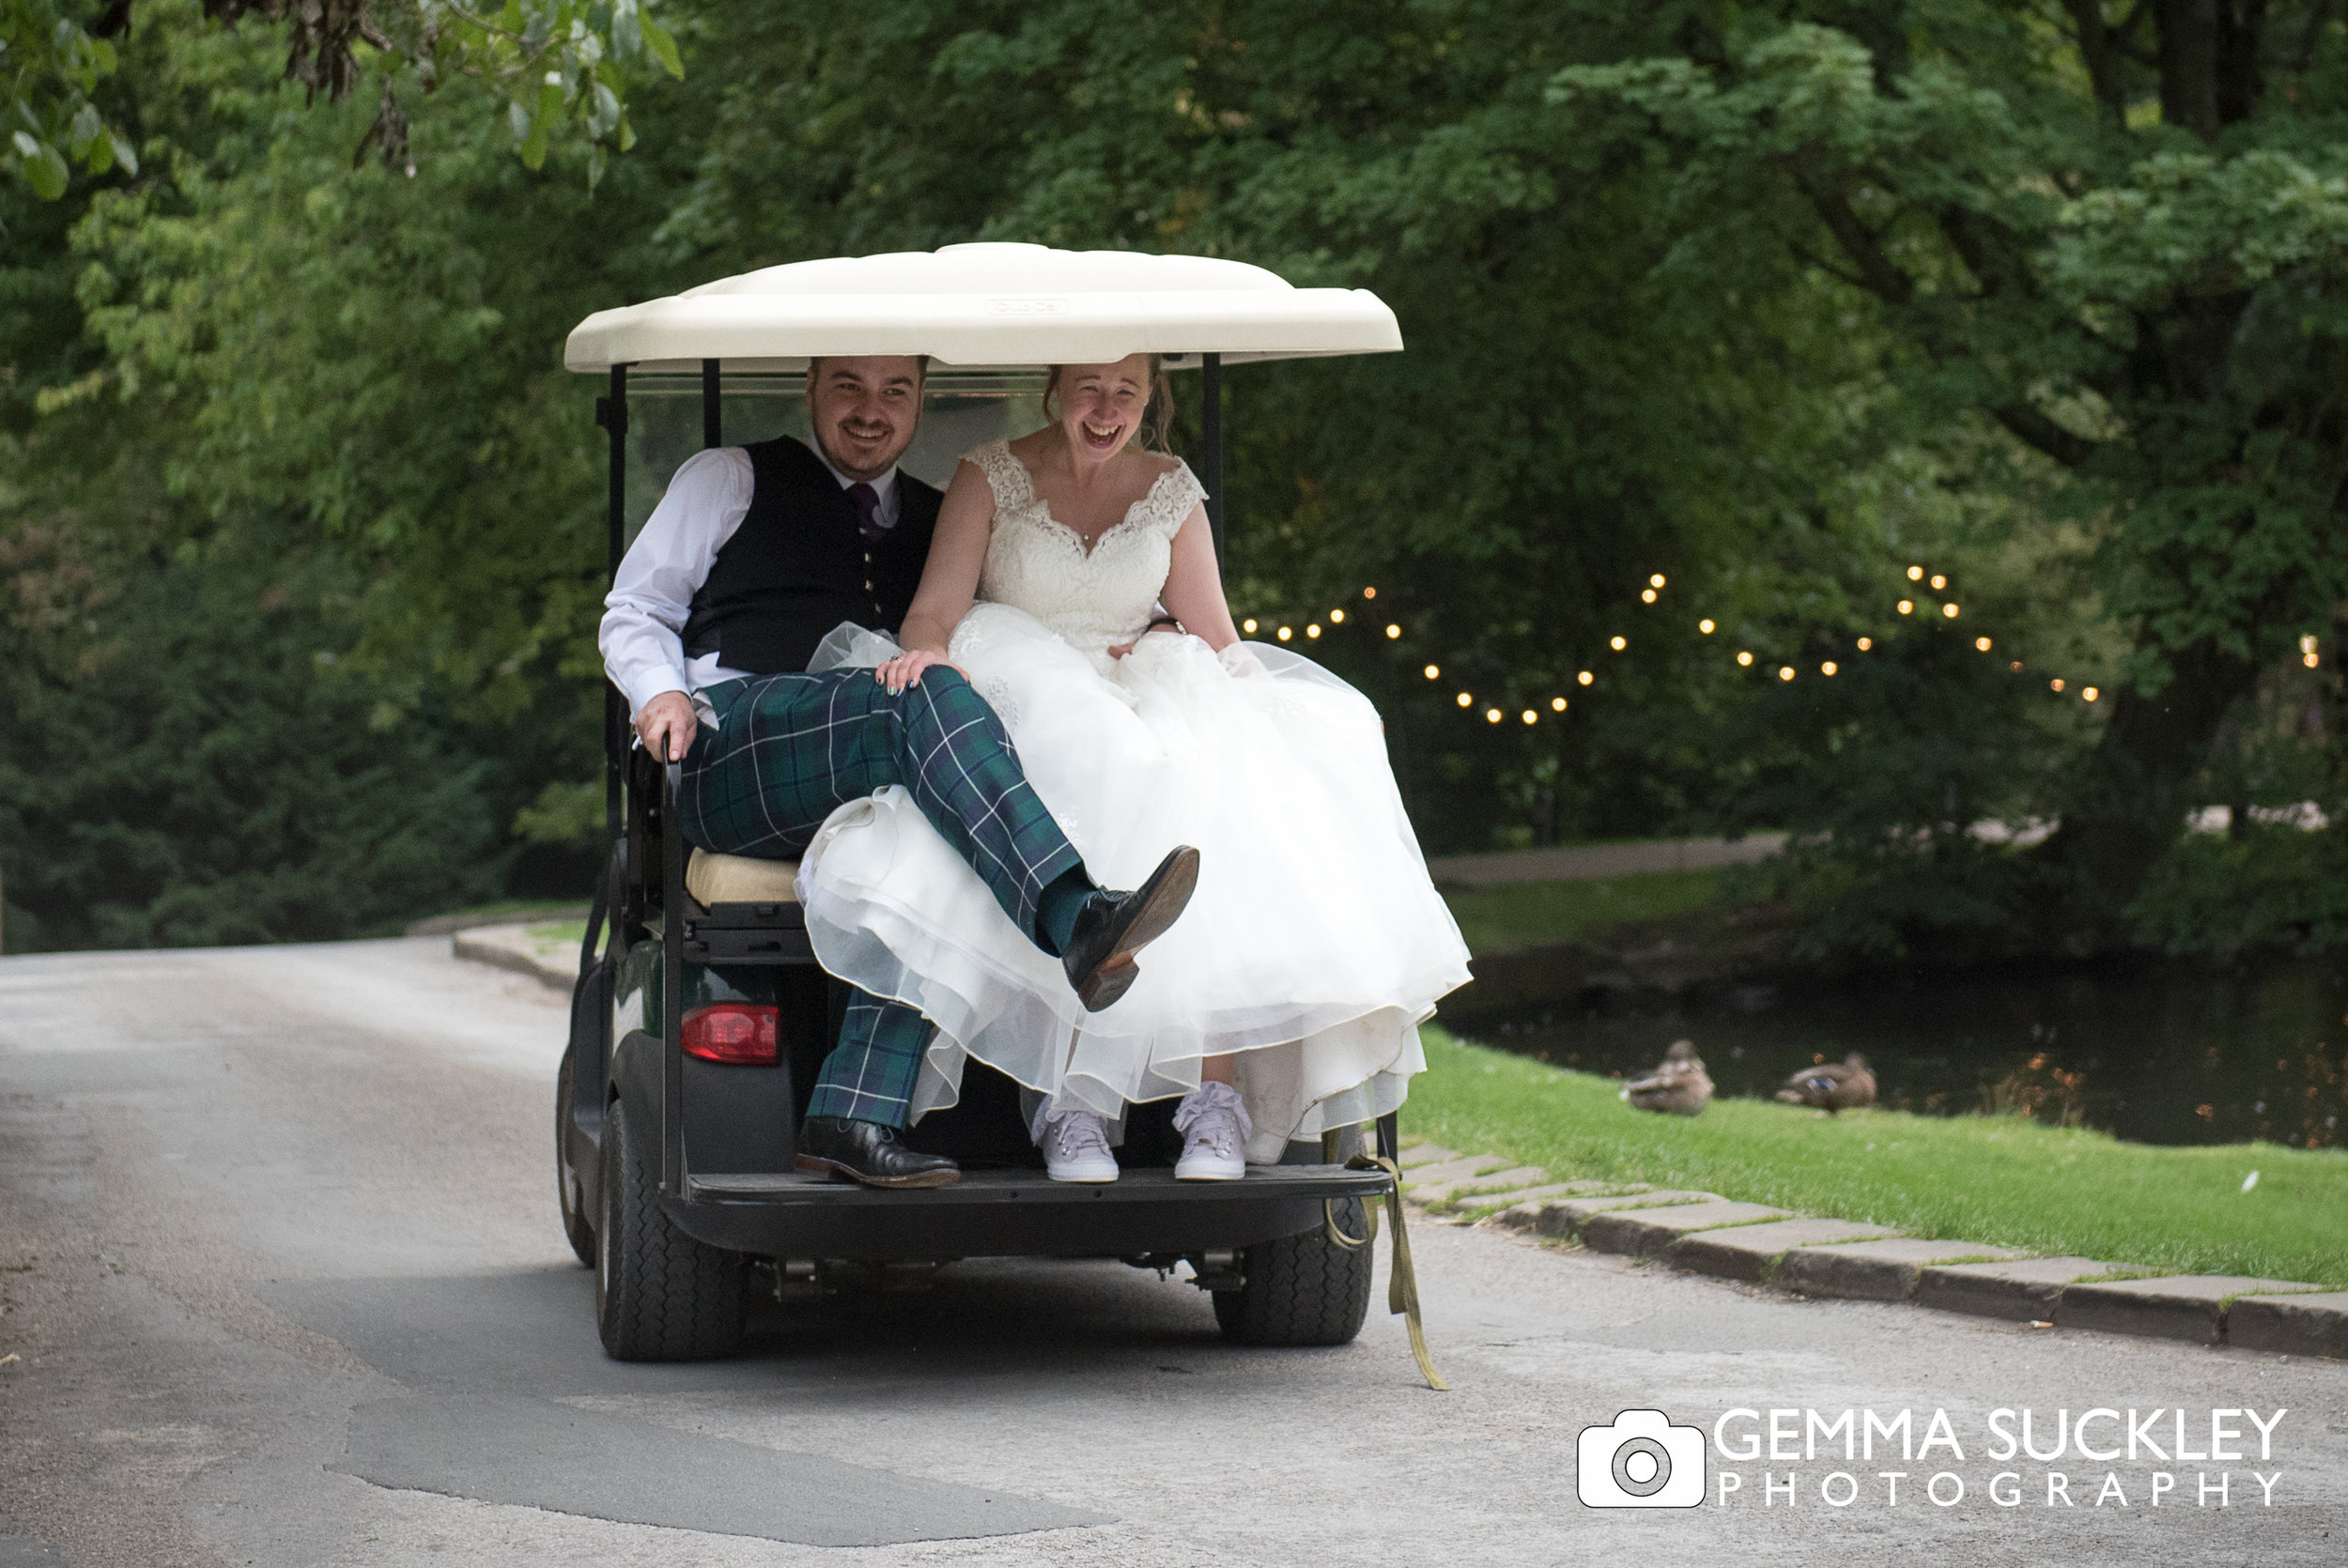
(1288, 1001)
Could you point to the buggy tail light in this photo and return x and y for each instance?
(742, 1032)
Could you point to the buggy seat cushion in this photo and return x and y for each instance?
(739, 879)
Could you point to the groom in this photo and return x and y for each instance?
(750, 558)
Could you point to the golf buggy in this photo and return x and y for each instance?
(697, 1028)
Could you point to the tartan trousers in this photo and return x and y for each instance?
(788, 749)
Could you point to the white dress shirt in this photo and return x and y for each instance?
(644, 614)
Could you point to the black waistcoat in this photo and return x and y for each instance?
(798, 565)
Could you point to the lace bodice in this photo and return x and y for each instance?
(1037, 563)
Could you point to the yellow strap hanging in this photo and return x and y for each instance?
(1402, 1282)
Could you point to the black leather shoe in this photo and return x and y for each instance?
(1112, 927)
(869, 1153)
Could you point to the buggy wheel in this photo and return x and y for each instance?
(1302, 1289)
(660, 1296)
(567, 1189)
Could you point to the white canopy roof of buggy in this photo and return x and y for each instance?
(987, 306)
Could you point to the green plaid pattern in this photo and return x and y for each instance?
(788, 749)
(869, 1074)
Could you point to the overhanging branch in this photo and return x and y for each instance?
(2035, 429)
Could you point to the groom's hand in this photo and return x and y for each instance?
(666, 725)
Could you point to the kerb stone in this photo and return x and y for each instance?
(1436, 1192)
(2312, 1324)
(2175, 1306)
(1566, 1216)
(1644, 1232)
(2022, 1291)
(1884, 1271)
(1451, 1170)
(1746, 1252)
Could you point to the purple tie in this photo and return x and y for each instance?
(867, 510)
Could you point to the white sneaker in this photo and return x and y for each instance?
(1215, 1129)
(1075, 1146)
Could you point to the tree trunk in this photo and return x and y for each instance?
(2128, 806)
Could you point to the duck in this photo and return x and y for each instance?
(1832, 1087)
(1678, 1085)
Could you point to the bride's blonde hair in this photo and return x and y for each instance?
(1157, 416)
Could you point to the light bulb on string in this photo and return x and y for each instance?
(1939, 582)
(1491, 715)
(1785, 673)
(1337, 618)
(1949, 610)
(1827, 669)
(1585, 677)
(1530, 716)
(1646, 595)
(1915, 573)
(1980, 645)
(1656, 581)
(1617, 644)
(1284, 634)
(1865, 644)
(1434, 672)
(1369, 594)
(1557, 704)
(1465, 700)
(1393, 632)
(2090, 694)
(1908, 606)
(1313, 630)
(1743, 656)
(2056, 683)
(1704, 626)
(1247, 626)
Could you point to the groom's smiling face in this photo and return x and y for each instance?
(865, 411)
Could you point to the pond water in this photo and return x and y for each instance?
(2154, 1053)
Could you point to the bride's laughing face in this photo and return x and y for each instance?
(1100, 405)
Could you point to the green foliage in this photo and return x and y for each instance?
(562, 68)
(2135, 273)
(1771, 301)
(211, 775)
(2002, 1180)
(53, 64)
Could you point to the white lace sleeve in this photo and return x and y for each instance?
(1005, 474)
(1172, 498)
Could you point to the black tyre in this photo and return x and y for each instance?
(660, 1296)
(1303, 1289)
(567, 1189)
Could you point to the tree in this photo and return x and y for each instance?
(2120, 237)
(564, 67)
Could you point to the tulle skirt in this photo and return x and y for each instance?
(1314, 946)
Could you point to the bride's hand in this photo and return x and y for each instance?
(1118, 650)
(905, 670)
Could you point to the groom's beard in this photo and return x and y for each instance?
(849, 460)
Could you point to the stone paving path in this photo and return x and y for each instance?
(1707, 1234)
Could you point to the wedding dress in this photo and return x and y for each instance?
(1315, 945)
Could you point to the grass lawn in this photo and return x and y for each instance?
(1510, 914)
(570, 932)
(2002, 1180)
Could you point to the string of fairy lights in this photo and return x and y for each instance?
(1914, 604)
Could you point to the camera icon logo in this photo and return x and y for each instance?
(1640, 1461)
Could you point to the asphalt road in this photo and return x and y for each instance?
(281, 1282)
